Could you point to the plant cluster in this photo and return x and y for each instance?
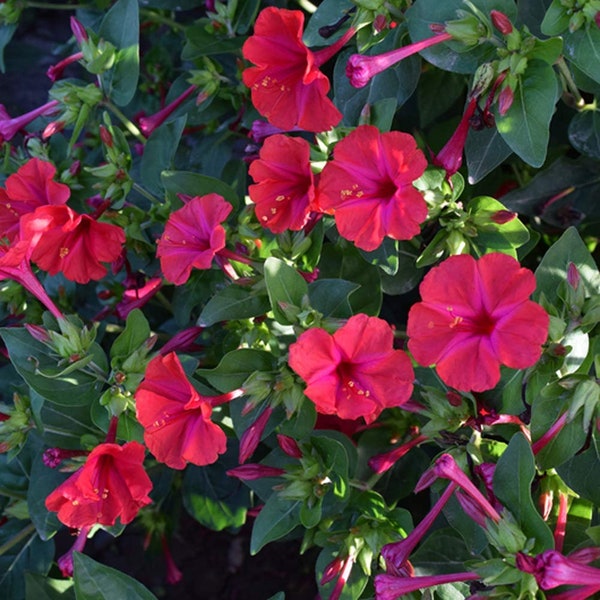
(245, 273)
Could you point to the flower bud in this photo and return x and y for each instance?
(500, 217)
(501, 22)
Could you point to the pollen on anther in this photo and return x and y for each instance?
(63, 252)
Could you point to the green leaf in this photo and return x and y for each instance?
(492, 237)
(275, 520)
(29, 553)
(330, 297)
(444, 551)
(526, 125)
(385, 257)
(485, 150)
(408, 275)
(328, 13)
(513, 476)
(214, 499)
(582, 47)
(584, 133)
(194, 184)
(136, 332)
(6, 34)
(552, 270)
(29, 357)
(120, 26)
(202, 42)
(432, 104)
(235, 367)
(285, 286)
(39, 587)
(94, 581)
(233, 302)
(531, 14)
(581, 472)
(453, 56)
(159, 153)
(556, 19)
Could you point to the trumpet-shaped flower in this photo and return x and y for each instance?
(369, 187)
(284, 188)
(286, 85)
(193, 235)
(76, 245)
(355, 372)
(476, 315)
(111, 484)
(176, 418)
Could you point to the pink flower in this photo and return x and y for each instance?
(193, 235)
(287, 87)
(176, 418)
(284, 184)
(251, 437)
(149, 124)
(476, 315)
(360, 69)
(355, 372)
(369, 187)
(388, 587)
(10, 127)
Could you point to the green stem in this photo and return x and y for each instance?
(152, 16)
(144, 192)
(128, 124)
(571, 85)
(163, 300)
(15, 539)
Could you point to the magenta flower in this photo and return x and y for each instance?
(251, 437)
(388, 587)
(445, 467)
(253, 471)
(476, 315)
(360, 69)
(10, 127)
(149, 124)
(381, 463)
(451, 155)
(193, 235)
(55, 72)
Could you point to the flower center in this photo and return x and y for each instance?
(351, 386)
(482, 324)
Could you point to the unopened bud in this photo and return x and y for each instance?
(252, 471)
(501, 22)
(573, 277)
(52, 128)
(289, 445)
(106, 136)
(454, 398)
(505, 100)
(78, 31)
(500, 217)
(38, 333)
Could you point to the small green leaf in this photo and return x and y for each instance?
(556, 19)
(136, 332)
(233, 302)
(330, 297)
(526, 125)
(582, 472)
(39, 587)
(285, 286)
(194, 184)
(235, 367)
(94, 581)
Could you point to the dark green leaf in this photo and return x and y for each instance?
(94, 581)
(30, 356)
(583, 48)
(235, 367)
(38, 587)
(553, 269)
(330, 297)
(581, 473)
(214, 499)
(233, 302)
(29, 553)
(556, 19)
(159, 153)
(531, 13)
(584, 133)
(285, 286)
(6, 34)
(432, 104)
(329, 12)
(513, 476)
(526, 125)
(194, 184)
(408, 275)
(385, 257)
(202, 42)
(444, 551)
(275, 520)
(120, 26)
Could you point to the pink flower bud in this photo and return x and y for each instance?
(289, 445)
(37, 332)
(52, 128)
(505, 100)
(251, 437)
(500, 217)
(253, 471)
(106, 136)
(573, 277)
(78, 31)
(149, 124)
(501, 22)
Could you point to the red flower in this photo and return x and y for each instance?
(31, 186)
(284, 188)
(176, 417)
(112, 483)
(286, 84)
(62, 240)
(476, 315)
(355, 372)
(193, 235)
(369, 187)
